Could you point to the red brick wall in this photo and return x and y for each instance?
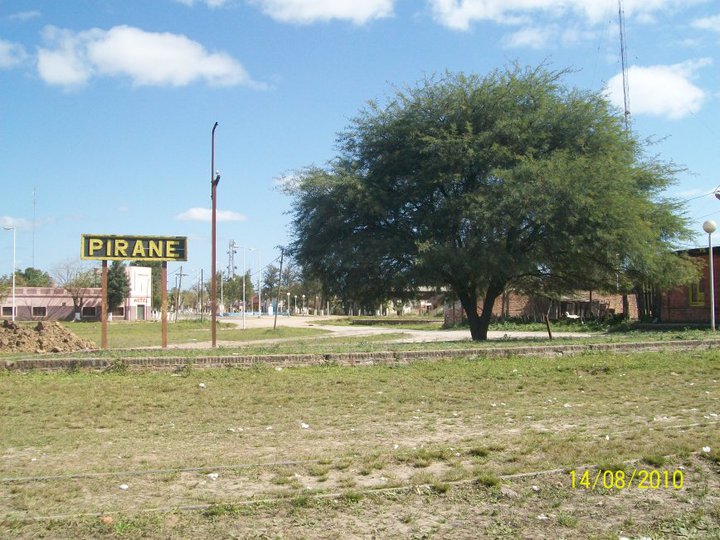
(514, 305)
(676, 302)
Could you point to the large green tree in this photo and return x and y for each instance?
(480, 184)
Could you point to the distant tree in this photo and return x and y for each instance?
(233, 291)
(481, 184)
(118, 285)
(270, 280)
(32, 277)
(5, 286)
(76, 280)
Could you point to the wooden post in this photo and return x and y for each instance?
(104, 309)
(547, 323)
(163, 284)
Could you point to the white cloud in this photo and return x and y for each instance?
(708, 23)
(209, 3)
(459, 14)
(11, 54)
(24, 16)
(66, 64)
(205, 214)
(309, 11)
(18, 223)
(532, 37)
(147, 58)
(661, 90)
(288, 182)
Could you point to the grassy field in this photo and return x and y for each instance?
(123, 335)
(460, 449)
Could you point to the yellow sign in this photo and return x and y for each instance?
(136, 248)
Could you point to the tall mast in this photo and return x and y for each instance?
(33, 230)
(623, 62)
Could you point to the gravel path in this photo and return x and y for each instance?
(408, 336)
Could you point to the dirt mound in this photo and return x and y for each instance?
(39, 338)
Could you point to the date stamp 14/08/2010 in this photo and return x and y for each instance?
(641, 479)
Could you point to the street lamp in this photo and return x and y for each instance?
(12, 315)
(288, 303)
(259, 284)
(710, 227)
(214, 181)
(244, 271)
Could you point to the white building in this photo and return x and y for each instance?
(137, 306)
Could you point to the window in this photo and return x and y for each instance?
(89, 311)
(697, 293)
(7, 311)
(39, 311)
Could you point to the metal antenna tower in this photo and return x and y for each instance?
(232, 250)
(34, 223)
(623, 62)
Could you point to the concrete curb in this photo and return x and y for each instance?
(347, 359)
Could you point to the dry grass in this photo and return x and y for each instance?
(457, 431)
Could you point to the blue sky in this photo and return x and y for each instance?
(107, 106)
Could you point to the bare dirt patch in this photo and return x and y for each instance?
(40, 338)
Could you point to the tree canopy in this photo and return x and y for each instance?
(118, 285)
(480, 184)
(33, 277)
(76, 279)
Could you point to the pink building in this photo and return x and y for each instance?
(56, 303)
(50, 304)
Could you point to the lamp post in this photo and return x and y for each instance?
(259, 284)
(244, 306)
(288, 303)
(12, 315)
(710, 227)
(302, 306)
(214, 181)
(295, 306)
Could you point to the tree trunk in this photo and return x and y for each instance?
(468, 301)
(479, 324)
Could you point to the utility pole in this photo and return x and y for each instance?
(214, 181)
(259, 284)
(626, 111)
(202, 286)
(177, 295)
(277, 301)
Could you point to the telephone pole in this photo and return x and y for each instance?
(214, 181)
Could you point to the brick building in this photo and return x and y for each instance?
(692, 304)
(583, 304)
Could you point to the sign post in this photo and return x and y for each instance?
(163, 284)
(106, 248)
(104, 308)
